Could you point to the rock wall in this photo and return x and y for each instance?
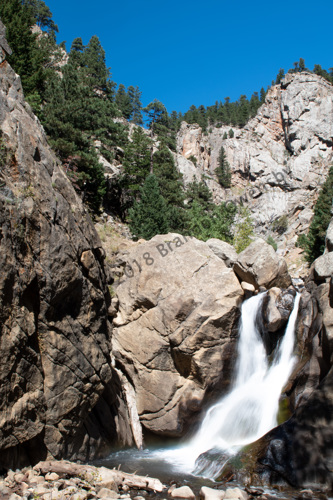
(278, 160)
(58, 395)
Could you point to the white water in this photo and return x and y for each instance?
(250, 409)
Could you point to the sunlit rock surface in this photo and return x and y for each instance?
(278, 160)
(176, 328)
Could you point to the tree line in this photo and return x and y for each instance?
(81, 107)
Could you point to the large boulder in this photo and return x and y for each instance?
(176, 328)
(57, 396)
(323, 267)
(259, 265)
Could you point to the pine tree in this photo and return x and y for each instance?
(199, 192)
(223, 171)
(42, 15)
(136, 163)
(170, 182)
(97, 71)
(279, 76)
(74, 115)
(216, 222)
(134, 95)
(262, 95)
(148, 215)
(27, 59)
(76, 55)
(314, 243)
(156, 113)
(123, 102)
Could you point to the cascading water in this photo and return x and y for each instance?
(242, 416)
(250, 409)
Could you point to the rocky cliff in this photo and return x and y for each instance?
(278, 161)
(58, 395)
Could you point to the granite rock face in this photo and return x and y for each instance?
(278, 160)
(176, 328)
(259, 265)
(57, 394)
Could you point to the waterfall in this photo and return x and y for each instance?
(250, 409)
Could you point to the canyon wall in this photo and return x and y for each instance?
(58, 393)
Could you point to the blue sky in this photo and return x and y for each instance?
(196, 52)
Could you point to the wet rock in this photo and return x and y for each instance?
(300, 451)
(276, 309)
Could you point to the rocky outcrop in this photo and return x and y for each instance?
(58, 396)
(176, 327)
(259, 265)
(300, 451)
(278, 161)
(224, 250)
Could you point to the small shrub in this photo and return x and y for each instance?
(271, 241)
(302, 241)
(244, 230)
(280, 225)
(193, 159)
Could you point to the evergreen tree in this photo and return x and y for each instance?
(134, 95)
(148, 215)
(156, 113)
(214, 223)
(159, 124)
(27, 59)
(42, 15)
(301, 64)
(279, 76)
(170, 182)
(254, 104)
(97, 71)
(223, 171)
(200, 193)
(314, 243)
(74, 115)
(76, 55)
(262, 95)
(136, 163)
(123, 102)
